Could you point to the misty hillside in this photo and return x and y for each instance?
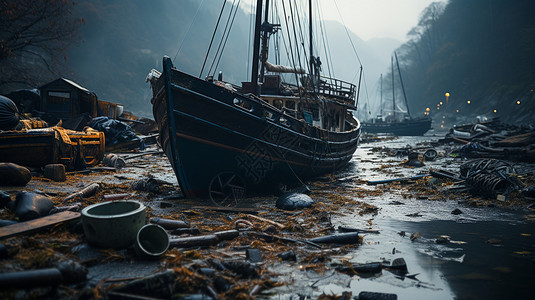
(123, 40)
(481, 52)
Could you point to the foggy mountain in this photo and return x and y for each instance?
(481, 52)
(123, 40)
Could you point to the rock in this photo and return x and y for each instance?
(399, 264)
(288, 255)
(253, 255)
(221, 284)
(376, 296)
(456, 212)
(7, 222)
(13, 175)
(413, 155)
(5, 198)
(29, 206)
(293, 201)
(415, 163)
(72, 271)
(242, 268)
(443, 239)
(55, 172)
(3, 251)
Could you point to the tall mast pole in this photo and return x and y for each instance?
(310, 38)
(264, 53)
(256, 46)
(393, 89)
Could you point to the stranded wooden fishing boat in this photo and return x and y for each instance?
(225, 141)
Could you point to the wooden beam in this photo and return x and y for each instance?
(38, 224)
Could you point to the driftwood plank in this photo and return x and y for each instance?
(249, 210)
(38, 224)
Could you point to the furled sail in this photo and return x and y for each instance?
(282, 69)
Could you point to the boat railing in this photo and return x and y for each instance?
(338, 89)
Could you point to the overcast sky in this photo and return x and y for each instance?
(374, 18)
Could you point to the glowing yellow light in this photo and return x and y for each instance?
(517, 101)
(440, 102)
(389, 114)
(494, 111)
(468, 101)
(447, 94)
(427, 109)
(457, 110)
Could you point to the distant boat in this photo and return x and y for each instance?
(406, 126)
(226, 141)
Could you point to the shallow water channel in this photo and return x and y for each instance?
(490, 256)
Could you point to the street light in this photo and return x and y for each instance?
(468, 101)
(518, 102)
(447, 97)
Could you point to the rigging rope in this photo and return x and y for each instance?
(290, 42)
(295, 37)
(189, 28)
(326, 48)
(228, 34)
(347, 32)
(222, 38)
(213, 35)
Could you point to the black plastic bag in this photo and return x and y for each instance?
(9, 114)
(116, 132)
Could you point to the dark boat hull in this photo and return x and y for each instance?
(413, 127)
(219, 140)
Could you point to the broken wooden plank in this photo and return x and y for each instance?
(266, 220)
(85, 192)
(38, 224)
(247, 210)
(374, 182)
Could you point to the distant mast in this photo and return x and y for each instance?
(393, 89)
(381, 103)
(402, 86)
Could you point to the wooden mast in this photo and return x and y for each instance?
(264, 46)
(256, 46)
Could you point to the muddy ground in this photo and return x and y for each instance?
(455, 244)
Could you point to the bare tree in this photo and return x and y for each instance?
(34, 36)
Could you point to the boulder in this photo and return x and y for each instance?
(14, 175)
(294, 201)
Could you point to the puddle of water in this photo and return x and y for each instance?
(493, 249)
